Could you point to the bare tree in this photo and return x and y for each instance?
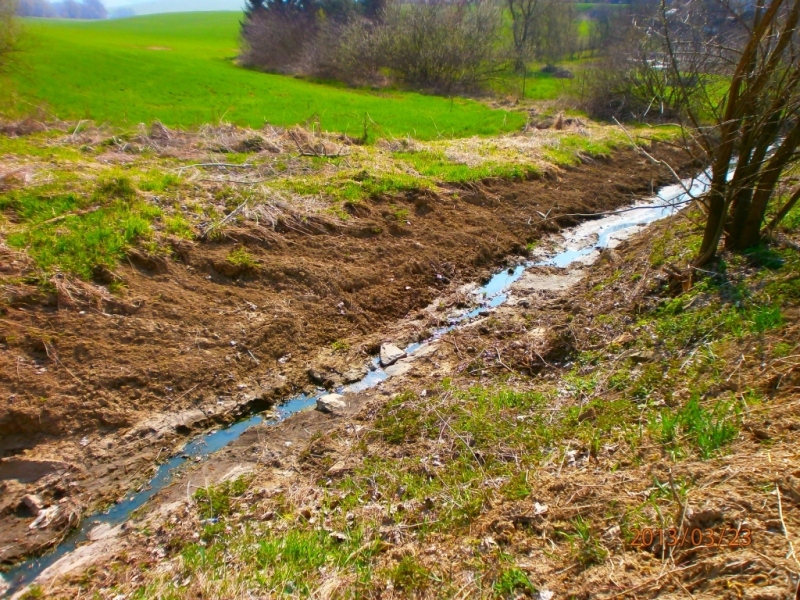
(9, 31)
(730, 72)
(543, 29)
(558, 34)
(441, 46)
(526, 21)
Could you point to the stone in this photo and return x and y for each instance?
(33, 503)
(398, 369)
(390, 354)
(621, 340)
(340, 467)
(354, 374)
(103, 531)
(330, 403)
(644, 356)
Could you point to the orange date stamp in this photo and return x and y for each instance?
(723, 537)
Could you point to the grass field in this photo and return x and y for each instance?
(180, 69)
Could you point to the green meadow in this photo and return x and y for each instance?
(181, 70)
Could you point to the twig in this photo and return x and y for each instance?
(58, 361)
(791, 553)
(233, 213)
(649, 582)
(186, 392)
(655, 160)
(616, 212)
(501, 360)
(77, 129)
(255, 360)
(227, 165)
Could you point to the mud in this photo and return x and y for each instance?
(96, 389)
(303, 455)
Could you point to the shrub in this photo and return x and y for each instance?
(433, 46)
(438, 46)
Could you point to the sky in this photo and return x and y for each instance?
(160, 6)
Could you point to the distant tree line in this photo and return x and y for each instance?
(8, 32)
(444, 46)
(68, 9)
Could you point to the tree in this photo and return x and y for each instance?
(69, 9)
(93, 9)
(558, 35)
(526, 17)
(729, 71)
(9, 32)
(440, 46)
(543, 29)
(35, 8)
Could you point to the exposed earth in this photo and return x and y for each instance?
(98, 387)
(388, 480)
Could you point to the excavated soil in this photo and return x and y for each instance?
(96, 388)
(297, 458)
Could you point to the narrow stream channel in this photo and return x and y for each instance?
(581, 243)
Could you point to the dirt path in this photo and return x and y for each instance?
(96, 388)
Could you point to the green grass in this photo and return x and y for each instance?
(240, 257)
(181, 69)
(78, 233)
(436, 165)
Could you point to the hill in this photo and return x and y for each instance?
(181, 70)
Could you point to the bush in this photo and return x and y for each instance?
(277, 40)
(438, 46)
(432, 46)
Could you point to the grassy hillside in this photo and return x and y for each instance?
(180, 69)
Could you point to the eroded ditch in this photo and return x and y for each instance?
(582, 244)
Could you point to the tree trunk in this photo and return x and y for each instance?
(784, 211)
(713, 232)
(751, 232)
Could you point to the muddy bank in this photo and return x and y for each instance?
(98, 387)
(551, 318)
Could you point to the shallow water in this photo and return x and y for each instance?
(582, 243)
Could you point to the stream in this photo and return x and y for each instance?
(582, 243)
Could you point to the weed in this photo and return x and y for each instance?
(215, 501)
(340, 346)
(511, 582)
(408, 574)
(157, 181)
(586, 548)
(783, 349)
(33, 593)
(708, 430)
(764, 318)
(398, 421)
(400, 214)
(178, 225)
(665, 426)
(240, 257)
(66, 231)
(119, 188)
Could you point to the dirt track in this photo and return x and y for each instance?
(97, 388)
